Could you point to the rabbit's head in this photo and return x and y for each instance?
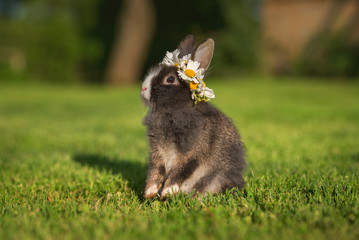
(178, 80)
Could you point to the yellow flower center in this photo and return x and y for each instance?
(193, 85)
(176, 65)
(204, 83)
(189, 72)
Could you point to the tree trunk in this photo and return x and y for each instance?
(136, 24)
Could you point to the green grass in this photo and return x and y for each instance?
(73, 165)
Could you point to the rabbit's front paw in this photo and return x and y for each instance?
(151, 191)
(173, 189)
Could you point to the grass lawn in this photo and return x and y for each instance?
(73, 165)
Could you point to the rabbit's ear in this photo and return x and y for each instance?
(204, 53)
(187, 45)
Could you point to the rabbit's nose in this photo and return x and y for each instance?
(144, 89)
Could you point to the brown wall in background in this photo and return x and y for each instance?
(288, 25)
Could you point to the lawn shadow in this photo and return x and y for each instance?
(355, 157)
(133, 171)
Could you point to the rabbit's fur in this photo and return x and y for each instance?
(194, 147)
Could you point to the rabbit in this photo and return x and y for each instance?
(195, 148)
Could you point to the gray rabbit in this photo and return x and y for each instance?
(195, 148)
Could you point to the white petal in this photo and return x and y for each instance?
(184, 76)
(171, 58)
(209, 93)
(186, 57)
(167, 61)
(200, 73)
(192, 95)
(183, 65)
(193, 65)
(201, 86)
(194, 80)
(175, 56)
(199, 76)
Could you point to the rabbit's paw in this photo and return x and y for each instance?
(173, 189)
(151, 191)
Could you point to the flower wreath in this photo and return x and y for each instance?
(189, 71)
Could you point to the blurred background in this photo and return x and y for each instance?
(115, 41)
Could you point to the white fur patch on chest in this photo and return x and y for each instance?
(214, 185)
(169, 155)
(189, 183)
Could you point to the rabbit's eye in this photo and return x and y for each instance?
(170, 79)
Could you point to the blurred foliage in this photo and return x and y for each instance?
(66, 41)
(329, 55)
(55, 36)
(238, 43)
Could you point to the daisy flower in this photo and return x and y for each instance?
(184, 60)
(188, 71)
(171, 58)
